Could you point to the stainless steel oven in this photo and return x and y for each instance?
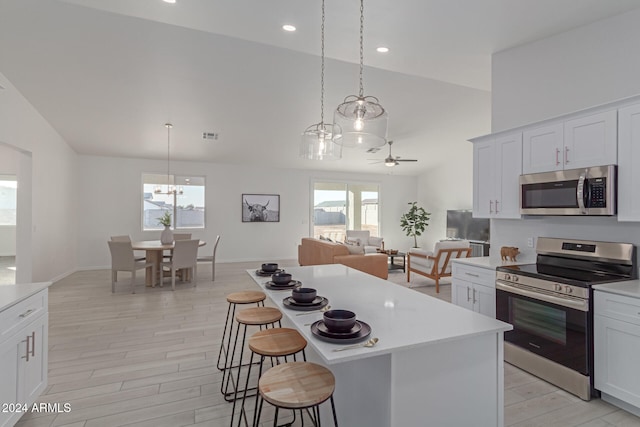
(550, 305)
(585, 191)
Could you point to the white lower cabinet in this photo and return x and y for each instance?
(23, 356)
(474, 288)
(616, 348)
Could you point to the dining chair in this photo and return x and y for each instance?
(181, 236)
(211, 259)
(122, 259)
(185, 256)
(126, 238)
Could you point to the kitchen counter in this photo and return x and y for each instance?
(13, 294)
(420, 339)
(630, 288)
(487, 262)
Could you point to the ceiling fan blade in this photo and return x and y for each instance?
(374, 161)
(406, 160)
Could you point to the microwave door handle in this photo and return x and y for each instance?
(580, 192)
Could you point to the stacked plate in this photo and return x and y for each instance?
(282, 286)
(340, 326)
(317, 303)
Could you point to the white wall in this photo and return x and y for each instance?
(53, 198)
(111, 203)
(587, 66)
(8, 166)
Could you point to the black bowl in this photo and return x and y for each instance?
(269, 267)
(339, 320)
(281, 278)
(303, 295)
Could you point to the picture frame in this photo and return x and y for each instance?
(260, 207)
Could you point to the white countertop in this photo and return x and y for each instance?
(400, 317)
(486, 262)
(13, 294)
(630, 288)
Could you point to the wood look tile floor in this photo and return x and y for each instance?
(149, 359)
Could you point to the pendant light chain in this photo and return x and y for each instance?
(322, 69)
(361, 45)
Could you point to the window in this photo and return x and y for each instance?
(338, 207)
(8, 199)
(186, 205)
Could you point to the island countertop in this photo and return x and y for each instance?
(400, 317)
(13, 294)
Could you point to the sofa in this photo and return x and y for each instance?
(317, 252)
(362, 238)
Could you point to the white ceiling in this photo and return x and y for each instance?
(107, 74)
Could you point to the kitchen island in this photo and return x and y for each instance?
(435, 363)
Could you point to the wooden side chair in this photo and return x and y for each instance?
(436, 264)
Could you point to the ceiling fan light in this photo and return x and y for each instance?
(389, 162)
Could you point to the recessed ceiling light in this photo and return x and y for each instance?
(170, 1)
(288, 27)
(383, 49)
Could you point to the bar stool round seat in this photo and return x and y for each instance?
(277, 342)
(297, 385)
(258, 316)
(246, 297)
(234, 299)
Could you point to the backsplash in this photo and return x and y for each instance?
(515, 232)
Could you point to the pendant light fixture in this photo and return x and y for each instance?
(317, 140)
(171, 189)
(362, 119)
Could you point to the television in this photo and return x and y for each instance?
(462, 225)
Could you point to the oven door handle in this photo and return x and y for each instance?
(569, 302)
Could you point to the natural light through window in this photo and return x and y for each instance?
(8, 199)
(186, 204)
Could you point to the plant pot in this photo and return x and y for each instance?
(166, 237)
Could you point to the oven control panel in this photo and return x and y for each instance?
(542, 284)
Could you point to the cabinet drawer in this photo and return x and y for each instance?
(618, 307)
(481, 275)
(22, 313)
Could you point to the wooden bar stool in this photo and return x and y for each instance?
(273, 343)
(234, 299)
(297, 385)
(254, 316)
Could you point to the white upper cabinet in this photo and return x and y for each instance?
(575, 143)
(497, 165)
(629, 163)
(543, 148)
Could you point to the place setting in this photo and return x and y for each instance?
(282, 281)
(342, 327)
(305, 299)
(268, 269)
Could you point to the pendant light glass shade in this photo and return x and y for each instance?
(317, 140)
(362, 119)
(317, 143)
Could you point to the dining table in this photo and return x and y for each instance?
(154, 252)
(434, 363)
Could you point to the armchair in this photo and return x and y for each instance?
(362, 237)
(436, 264)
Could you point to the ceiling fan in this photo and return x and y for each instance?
(391, 161)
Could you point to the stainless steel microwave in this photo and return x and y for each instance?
(585, 191)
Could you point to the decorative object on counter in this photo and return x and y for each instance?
(339, 320)
(304, 295)
(509, 253)
(414, 222)
(281, 278)
(260, 208)
(269, 267)
(166, 237)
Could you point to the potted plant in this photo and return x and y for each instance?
(166, 237)
(414, 222)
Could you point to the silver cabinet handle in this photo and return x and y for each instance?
(27, 313)
(566, 155)
(496, 206)
(468, 297)
(490, 206)
(474, 297)
(557, 156)
(471, 274)
(33, 344)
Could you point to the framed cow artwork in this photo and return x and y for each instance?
(260, 208)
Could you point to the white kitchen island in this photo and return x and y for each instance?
(436, 364)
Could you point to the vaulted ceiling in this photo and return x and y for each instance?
(107, 74)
